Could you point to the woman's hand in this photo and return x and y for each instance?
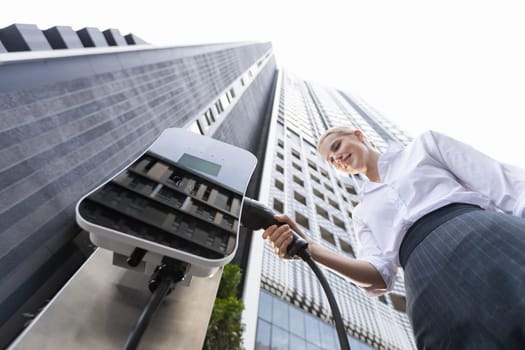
(360, 272)
(280, 237)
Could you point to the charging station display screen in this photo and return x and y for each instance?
(199, 164)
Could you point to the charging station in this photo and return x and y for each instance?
(177, 206)
(181, 199)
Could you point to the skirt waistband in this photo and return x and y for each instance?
(426, 224)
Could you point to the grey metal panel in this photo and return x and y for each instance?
(63, 37)
(2, 48)
(92, 37)
(23, 37)
(114, 38)
(132, 39)
(107, 301)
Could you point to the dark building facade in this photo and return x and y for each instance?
(69, 120)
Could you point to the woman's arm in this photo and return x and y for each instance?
(360, 272)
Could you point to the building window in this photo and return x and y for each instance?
(297, 166)
(297, 326)
(209, 115)
(196, 128)
(312, 165)
(350, 189)
(299, 197)
(263, 335)
(354, 203)
(280, 143)
(296, 154)
(399, 302)
(318, 194)
(333, 203)
(279, 168)
(327, 235)
(232, 93)
(322, 212)
(219, 107)
(325, 173)
(279, 185)
(302, 220)
(225, 100)
(278, 205)
(280, 155)
(347, 248)
(329, 188)
(298, 181)
(316, 179)
(382, 299)
(349, 214)
(339, 223)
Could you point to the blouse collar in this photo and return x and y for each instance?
(382, 167)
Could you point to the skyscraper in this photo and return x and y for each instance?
(292, 310)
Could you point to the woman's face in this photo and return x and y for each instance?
(346, 152)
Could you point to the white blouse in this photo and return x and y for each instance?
(433, 171)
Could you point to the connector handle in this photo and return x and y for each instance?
(255, 215)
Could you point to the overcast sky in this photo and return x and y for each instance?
(453, 66)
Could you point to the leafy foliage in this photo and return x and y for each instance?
(225, 328)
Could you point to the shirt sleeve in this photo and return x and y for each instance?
(503, 184)
(369, 251)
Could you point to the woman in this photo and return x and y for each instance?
(452, 218)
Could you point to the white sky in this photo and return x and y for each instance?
(453, 66)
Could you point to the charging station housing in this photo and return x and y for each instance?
(181, 199)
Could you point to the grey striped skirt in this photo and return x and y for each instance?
(465, 284)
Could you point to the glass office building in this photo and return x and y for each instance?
(291, 307)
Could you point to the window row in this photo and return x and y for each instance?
(213, 113)
(204, 122)
(280, 185)
(295, 153)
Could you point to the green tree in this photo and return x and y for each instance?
(225, 328)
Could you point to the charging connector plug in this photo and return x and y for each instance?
(255, 216)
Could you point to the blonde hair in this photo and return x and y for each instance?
(341, 130)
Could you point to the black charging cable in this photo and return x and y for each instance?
(255, 215)
(162, 282)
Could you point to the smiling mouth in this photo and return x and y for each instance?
(346, 160)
